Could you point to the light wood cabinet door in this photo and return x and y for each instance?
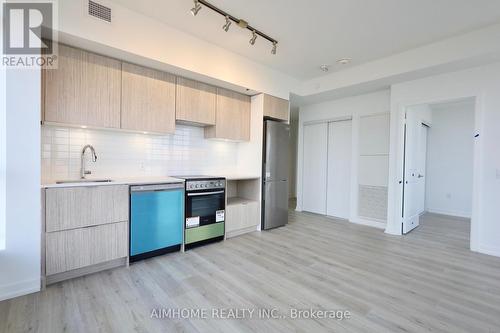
(195, 102)
(77, 207)
(148, 100)
(232, 117)
(77, 248)
(276, 108)
(234, 218)
(84, 90)
(250, 214)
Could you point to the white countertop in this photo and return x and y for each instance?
(238, 177)
(120, 181)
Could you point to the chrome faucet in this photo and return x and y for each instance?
(84, 172)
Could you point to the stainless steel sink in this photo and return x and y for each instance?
(83, 181)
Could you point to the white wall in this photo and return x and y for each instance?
(355, 107)
(250, 153)
(123, 154)
(483, 83)
(20, 261)
(450, 153)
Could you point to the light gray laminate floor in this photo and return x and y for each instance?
(425, 281)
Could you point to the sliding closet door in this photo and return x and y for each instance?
(339, 168)
(314, 168)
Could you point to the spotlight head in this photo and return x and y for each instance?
(196, 8)
(253, 39)
(273, 50)
(226, 26)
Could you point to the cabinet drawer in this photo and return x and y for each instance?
(77, 207)
(77, 248)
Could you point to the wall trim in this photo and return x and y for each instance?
(327, 120)
(488, 250)
(19, 289)
(464, 215)
(369, 223)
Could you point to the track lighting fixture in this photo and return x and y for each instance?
(254, 37)
(196, 8)
(230, 19)
(227, 25)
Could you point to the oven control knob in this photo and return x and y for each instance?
(196, 186)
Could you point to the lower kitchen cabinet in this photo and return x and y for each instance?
(72, 249)
(86, 230)
(242, 216)
(85, 206)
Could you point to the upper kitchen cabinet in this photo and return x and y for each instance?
(276, 108)
(196, 102)
(232, 117)
(84, 90)
(148, 100)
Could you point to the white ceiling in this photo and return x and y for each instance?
(315, 32)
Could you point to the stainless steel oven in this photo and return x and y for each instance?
(205, 210)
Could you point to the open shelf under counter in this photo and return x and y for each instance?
(232, 201)
(243, 206)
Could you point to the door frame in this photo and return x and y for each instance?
(396, 194)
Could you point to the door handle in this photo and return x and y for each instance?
(420, 176)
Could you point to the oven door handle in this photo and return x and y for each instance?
(203, 193)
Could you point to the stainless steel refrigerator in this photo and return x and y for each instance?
(275, 175)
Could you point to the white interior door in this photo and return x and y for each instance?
(422, 166)
(414, 180)
(339, 168)
(314, 168)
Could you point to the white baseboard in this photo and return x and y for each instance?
(449, 213)
(19, 289)
(393, 232)
(369, 223)
(489, 250)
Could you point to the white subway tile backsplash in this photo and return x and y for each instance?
(122, 154)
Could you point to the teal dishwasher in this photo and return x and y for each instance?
(156, 219)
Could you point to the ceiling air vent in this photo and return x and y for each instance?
(99, 11)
